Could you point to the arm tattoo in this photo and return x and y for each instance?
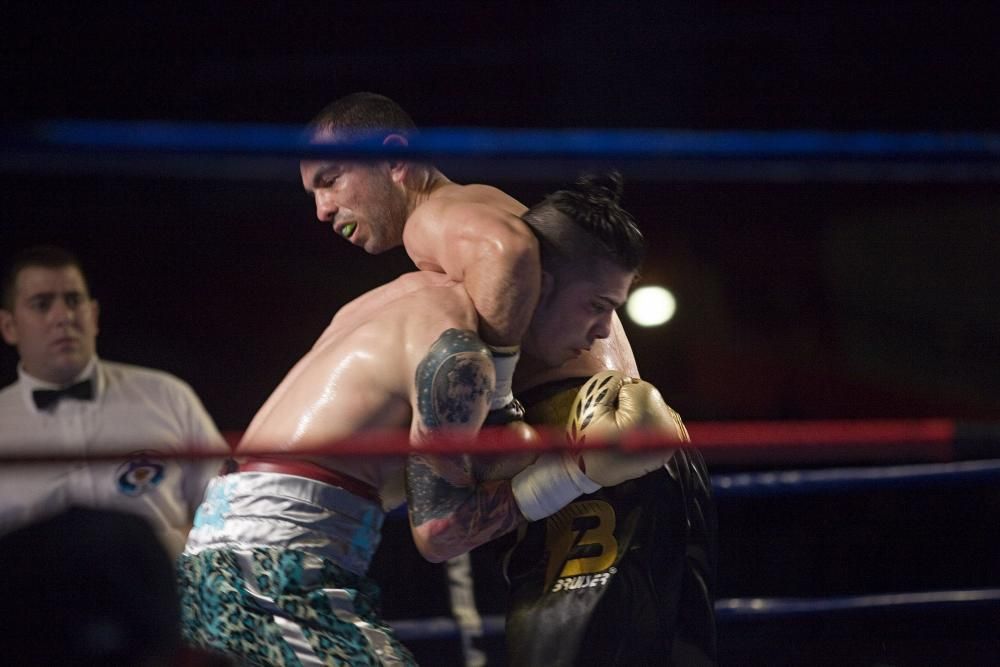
(446, 496)
(455, 381)
(464, 512)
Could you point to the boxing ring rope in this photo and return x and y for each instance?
(721, 443)
(944, 456)
(267, 151)
(748, 609)
(842, 480)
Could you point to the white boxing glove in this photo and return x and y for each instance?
(606, 406)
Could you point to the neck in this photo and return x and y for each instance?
(425, 186)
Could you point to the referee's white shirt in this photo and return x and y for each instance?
(141, 412)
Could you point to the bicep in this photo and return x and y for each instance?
(455, 238)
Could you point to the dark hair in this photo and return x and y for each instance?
(48, 256)
(364, 115)
(598, 226)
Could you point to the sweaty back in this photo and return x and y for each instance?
(359, 377)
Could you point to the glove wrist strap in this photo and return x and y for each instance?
(549, 484)
(504, 361)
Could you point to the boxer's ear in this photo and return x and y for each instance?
(396, 141)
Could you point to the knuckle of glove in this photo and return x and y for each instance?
(607, 406)
(593, 410)
(641, 405)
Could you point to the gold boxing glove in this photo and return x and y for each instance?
(606, 406)
(610, 404)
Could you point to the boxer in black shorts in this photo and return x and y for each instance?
(621, 576)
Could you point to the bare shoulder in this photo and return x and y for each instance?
(487, 195)
(458, 199)
(418, 280)
(373, 301)
(404, 285)
(415, 301)
(446, 303)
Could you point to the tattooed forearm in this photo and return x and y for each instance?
(450, 512)
(435, 486)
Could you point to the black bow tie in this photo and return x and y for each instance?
(46, 398)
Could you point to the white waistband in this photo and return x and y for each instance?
(263, 509)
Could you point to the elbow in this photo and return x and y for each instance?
(432, 556)
(514, 247)
(433, 544)
(520, 247)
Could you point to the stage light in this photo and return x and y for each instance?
(651, 306)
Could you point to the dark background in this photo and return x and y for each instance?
(853, 298)
(827, 299)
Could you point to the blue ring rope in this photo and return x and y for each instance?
(489, 142)
(736, 610)
(523, 153)
(841, 480)
(741, 609)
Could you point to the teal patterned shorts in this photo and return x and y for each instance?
(268, 606)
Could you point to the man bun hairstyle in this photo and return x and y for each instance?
(599, 226)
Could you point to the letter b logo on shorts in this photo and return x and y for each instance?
(580, 540)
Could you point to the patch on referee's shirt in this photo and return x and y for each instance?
(139, 474)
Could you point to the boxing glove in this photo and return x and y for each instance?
(506, 432)
(606, 406)
(610, 404)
